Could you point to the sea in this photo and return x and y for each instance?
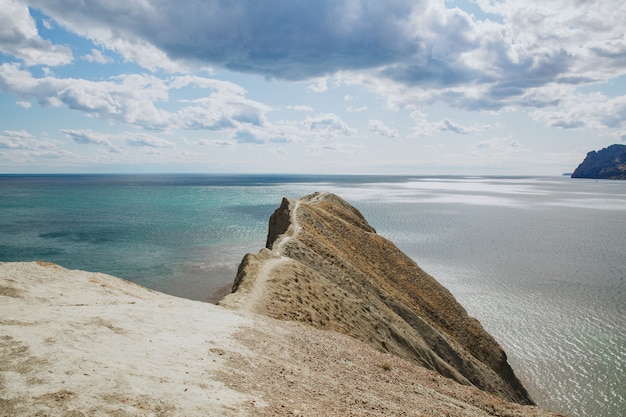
(539, 261)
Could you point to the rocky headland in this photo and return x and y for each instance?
(329, 320)
(325, 266)
(608, 163)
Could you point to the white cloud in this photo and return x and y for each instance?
(147, 141)
(97, 56)
(303, 108)
(496, 146)
(216, 143)
(136, 99)
(318, 86)
(86, 137)
(23, 140)
(380, 128)
(266, 134)
(222, 111)
(594, 111)
(225, 106)
(423, 127)
(450, 126)
(127, 98)
(328, 125)
(132, 139)
(342, 148)
(47, 24)
(19, 37)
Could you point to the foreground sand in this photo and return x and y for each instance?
(74, 343)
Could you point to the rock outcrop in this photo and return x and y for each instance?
(325, 266)
(608, 163)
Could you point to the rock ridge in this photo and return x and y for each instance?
(325, 266)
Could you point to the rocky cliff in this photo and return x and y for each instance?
(325, 266)
(608, 163)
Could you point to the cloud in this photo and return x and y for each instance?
(509, 55)
(215, 143)
(225, 107)
(16, 140)
(423, 127)
(97, 56)
(356, 109)
(282, 39)
(302, 108)
(86, 137)
(285, 39)
(447, 125)
(137, 98)
(126, 98)
(342, 148)
(380, 128)
(496, 146)
(318, 86)
(133, 139)
(19, 37)
(245, 136)
(218, 111)
(147, 141)
(421, 43)
(259, 137)
(592, 111)
(23, 140)
(223, 144)
(329, 125)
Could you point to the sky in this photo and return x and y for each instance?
(416, 87)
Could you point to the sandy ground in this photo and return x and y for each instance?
(74, 343)
(97, 345)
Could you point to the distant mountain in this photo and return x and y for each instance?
(609, 163)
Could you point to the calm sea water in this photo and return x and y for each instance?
(541, 262)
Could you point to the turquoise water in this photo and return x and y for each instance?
(541, 262)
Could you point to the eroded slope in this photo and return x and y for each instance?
(326, 266)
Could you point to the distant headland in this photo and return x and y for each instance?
(608, 163)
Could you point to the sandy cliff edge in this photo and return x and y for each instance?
(75, 343)
(324, 265)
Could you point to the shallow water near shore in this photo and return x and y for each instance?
(539, 261)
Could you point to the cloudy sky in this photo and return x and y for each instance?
(310, 86)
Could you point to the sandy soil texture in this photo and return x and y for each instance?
(74, 343)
